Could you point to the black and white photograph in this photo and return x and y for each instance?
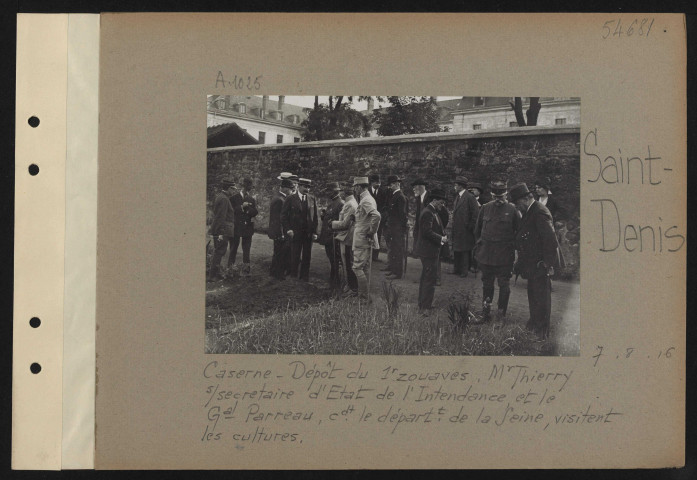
(393, 225)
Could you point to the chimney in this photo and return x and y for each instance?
(370, 104)
(264, 103)
(281, 99)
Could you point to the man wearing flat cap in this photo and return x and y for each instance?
(396, 227)
(245, 206)
(299, 220)
(381, 195)
(365, 234)
(281, 247)
(223, 226)
(537, 248)
(331, 246)
(465, 212)
(344, 227)
(428, 246)
(494, 233)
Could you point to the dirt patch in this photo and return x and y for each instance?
(230, 301)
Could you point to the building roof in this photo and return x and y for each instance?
(254, 102)
(228, 135)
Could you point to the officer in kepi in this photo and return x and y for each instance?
(495, 232)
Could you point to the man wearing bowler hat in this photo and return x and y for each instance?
(223, 226)
(281, 247)
(465, 212)
(495, 232)
(299, 220)
(331, 246)
(245, 206)
(537, 248)
(428, 246)
(396, 227)
(381, 195)
(365, 234)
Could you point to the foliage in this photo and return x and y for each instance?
(348, 327)
(390, 294)
(407, 115)
(334, 120)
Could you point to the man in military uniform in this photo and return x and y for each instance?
(396, 227)
(223, 226)
(365, 234)
(495, 232)
(537, 248)
(331, 246)
(245, 206)
(299, 220)
(281, 247)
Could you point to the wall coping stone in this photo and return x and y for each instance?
(419, 137)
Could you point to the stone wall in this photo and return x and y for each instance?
(518, 154)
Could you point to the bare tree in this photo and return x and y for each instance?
(531, 113)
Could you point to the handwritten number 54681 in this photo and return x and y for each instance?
(615, 28)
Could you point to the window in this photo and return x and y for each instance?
(296, 140)
(478, 101)
(477, 126)
(279, 138)
(262, 137)
(560, 121)
(512, 124)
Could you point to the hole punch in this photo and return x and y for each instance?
(33, 169)
(34, 121)
(35, 368)
(35, 322)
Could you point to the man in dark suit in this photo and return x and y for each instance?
(381, 196)
(428, 245)
(396, 227)
(281, 247)
(537, 246)
(465, 212)
(422, 199)
(223, 227)
(476, 190)
(299, 220)
(332, 247)
(245, 206)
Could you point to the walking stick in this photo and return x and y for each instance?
(370, 266)
(406, 251)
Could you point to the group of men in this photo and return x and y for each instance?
(233, 213)
(497, 237)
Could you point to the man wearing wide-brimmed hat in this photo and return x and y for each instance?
(245, 206)
(494, 233)
(331, 246)
(396, 228)
(428, 246)
(223, 226)
(299, 219)
(537, 248)
(465, 212)
(543, 194)
(344, 227)
(365, 234)
(281, 245)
